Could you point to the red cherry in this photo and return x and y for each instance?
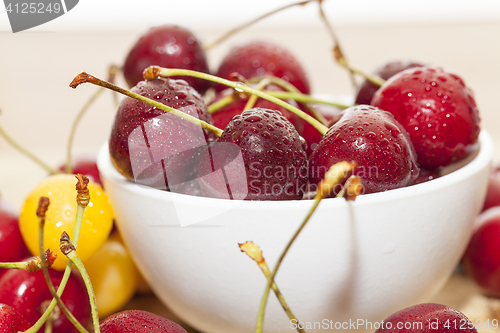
(137, 321)
(375, 141)
(85, 166)
(11, 242)
(145, 142)
(11, 321)
(493, 193)
(29, 295)
(367, 89)
(257, 58)
(311, 134)
(259, 156)
(437, 110)
(168, 46)
(427, 318)
(224, 115)
(482, 257)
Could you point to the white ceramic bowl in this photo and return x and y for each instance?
(355, 261)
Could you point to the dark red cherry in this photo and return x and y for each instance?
(493, 193)
(11, 242)
(29, 295)
(86, 166)
(427, 318)
(367, 89)
(224, 115)
(259, 156)
(375, 141)
(482, 257)
(138, 321)
(257, 58)
(437, 110)
(11, 321)
(311, 134)
(152, 147)
(168, 46)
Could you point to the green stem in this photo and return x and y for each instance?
(303, 98)
(253, 98)
(334, 175)
(26, 153)
(73, 256)
(339, 55)
(255, 253)
(84, 77)
(223, 102)
(376, 80)
(270, 279)
(292, 89)
(79, 116)
(280, 296)
(52, 289)
(14, 265)
(78, 223)
(155, 71)
(48, 326)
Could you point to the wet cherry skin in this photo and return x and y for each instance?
(169, 46)
(437, 110)
(427, 318)
(145, 142)
(259, 156)
(138, 321)
(257, 58)
(373, 139)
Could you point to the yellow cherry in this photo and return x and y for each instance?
(60, 189)
(113, 274)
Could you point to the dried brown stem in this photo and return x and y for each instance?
(83, 196)
(65, 244)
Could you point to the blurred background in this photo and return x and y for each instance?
(36, 65)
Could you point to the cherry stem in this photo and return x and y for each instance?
(338, 50)
(34, 264)
(43, 205)
(225, 101)
(113, 70)
(253, 98)
(254, 252)
(70, 251)
(26, 153)
(155, 71)
(290, 88)
(83, 199)
(333, 176)
(376, 80)
(352, 188)
(303, 98)
(72, 133)
(48, 326)
(246, 25)
(87, 78)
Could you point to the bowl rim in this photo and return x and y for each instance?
(483, 158)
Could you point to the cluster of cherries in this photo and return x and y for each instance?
(25, 296)
(421, 119)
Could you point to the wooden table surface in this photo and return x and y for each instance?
(460, 293)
